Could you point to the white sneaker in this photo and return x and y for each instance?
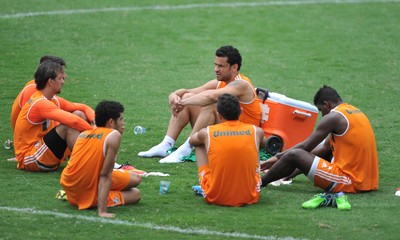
(156, 151)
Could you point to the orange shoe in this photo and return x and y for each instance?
(128, 167)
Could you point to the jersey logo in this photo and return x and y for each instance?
(116, 200)
(324, 165)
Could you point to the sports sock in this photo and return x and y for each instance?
(184, 150)
(160, 150)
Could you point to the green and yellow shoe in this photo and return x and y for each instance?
(319, 200)
(341, 201)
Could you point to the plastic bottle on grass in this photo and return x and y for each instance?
(139, 130)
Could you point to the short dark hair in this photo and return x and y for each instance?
(46, 70)
(228, 107)
(231, 53)
(107, 110)
(326, 93)
(53, 59)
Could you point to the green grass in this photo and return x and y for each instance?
(138, 57)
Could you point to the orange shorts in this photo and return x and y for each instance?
(41, 159)
(205, 178)
(115, 199)
(119, 179)
(329, 177)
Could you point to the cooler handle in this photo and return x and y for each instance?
(304, 114)
(264, 94)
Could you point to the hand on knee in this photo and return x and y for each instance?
(80, 114)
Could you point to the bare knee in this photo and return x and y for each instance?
(131, 196)
(80, 114)
(294, 153)
(134, 180)
(299, 158)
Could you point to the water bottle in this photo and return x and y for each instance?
(8, 144)
(139, 130)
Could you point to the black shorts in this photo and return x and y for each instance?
(55, 143)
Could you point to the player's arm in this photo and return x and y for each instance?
(235, 88)
(178, 94)
(198, 138)
(20, 101)
(176, 97)
(14, 112)
(330, 123)
(323, 150)
(208, 85)
(71, 107)
(261, 140)
(45, 109)
(327, 125)
(112, 145)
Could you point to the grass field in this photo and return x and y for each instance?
(137, 52)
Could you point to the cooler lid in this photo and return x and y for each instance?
(280, 98)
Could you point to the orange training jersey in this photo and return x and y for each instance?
(20, 101)
(234, 164)
(251, 111)
(355, 151)
(37, 117)
(80, 178)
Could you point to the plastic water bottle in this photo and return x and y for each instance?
(139, 130)
(8, 144)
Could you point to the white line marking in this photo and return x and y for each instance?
(190, 6)
(143, 225)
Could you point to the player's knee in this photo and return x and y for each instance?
(135, 179)
(136, 196)
(80, 114)
(294, 154)
(210, 111)
(132, 196)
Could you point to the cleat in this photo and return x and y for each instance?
(341, 201)
(319, 200)
(61, 195)
(128, 167)
(198, 190)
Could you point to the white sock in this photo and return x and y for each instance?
(169, 141)
(160, 150)
(184, 150)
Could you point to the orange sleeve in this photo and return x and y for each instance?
(71, 106)
(20, 101)
(14, 112)
(44, 109)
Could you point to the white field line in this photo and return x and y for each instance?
(191, 6)
(142, 225)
